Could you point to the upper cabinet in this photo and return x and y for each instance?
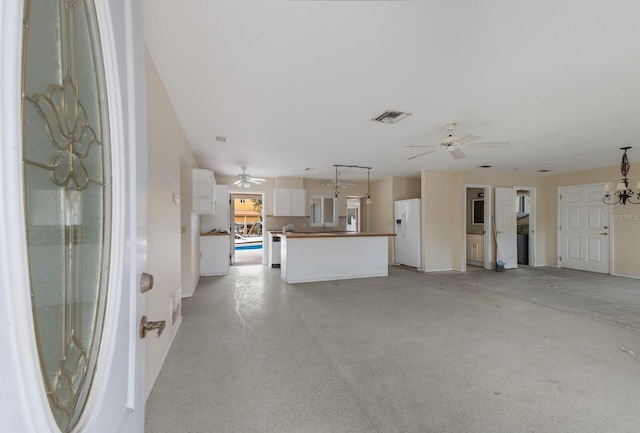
(289, 202)
(204, 191)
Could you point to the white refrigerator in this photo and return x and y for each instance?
(408, 244)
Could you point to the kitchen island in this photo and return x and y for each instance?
(326, 256)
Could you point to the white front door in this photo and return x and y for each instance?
(583, 230)
(72, 219)
(506, 227)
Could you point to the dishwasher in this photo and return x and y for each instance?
(274, 251)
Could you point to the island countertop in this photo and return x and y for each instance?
(308, 235)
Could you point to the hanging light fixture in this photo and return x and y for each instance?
(623, 194)
(368, 185)
(355, 166)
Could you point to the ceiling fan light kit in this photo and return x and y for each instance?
(245, 180)
(454, 145)
(623, 194)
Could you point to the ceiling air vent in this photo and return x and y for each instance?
(390, 117)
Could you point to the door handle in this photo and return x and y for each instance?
(604, 233)
(147, 326)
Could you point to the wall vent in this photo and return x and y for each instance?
(390, 117)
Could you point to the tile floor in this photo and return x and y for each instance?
(529, 350)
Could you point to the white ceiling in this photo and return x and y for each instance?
(294, 84)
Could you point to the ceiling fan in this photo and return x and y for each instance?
(454, 144)
(245, 180)
(332, 183)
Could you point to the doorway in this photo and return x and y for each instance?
(477, 246)
(354, 214)
(515, 218)
(247, 228)
(523, 224)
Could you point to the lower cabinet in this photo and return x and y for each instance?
(214, 254)
(475, 249)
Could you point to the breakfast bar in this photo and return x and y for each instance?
(320, 256)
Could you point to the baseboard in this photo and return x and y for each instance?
(439, 270)
(164, 357)
(626, 276)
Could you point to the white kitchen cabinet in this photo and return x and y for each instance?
(204, 191)
(220, 220)
(214, 254)
(289, 202)
(475, 248)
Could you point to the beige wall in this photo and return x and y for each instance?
(444, 218)
(444, 224)
(381, 210)
(625, 220)
(405, 187)
(170, 161)
(439, 217)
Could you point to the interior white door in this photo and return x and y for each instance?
(584, 234)
(73, 218)
(232, 231)
(506, 227)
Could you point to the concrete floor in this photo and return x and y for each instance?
(528, 350)
(248, 257)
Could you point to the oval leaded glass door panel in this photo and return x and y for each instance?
(67, 195)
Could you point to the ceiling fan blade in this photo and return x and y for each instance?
(237, 182)
(422, 154)
(493, 144)
(467, 139)
(254, 181)
(457, 154)
(258, 179)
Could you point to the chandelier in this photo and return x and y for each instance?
(623, 194)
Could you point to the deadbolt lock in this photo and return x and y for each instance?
(147, 326)
(146, 282)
